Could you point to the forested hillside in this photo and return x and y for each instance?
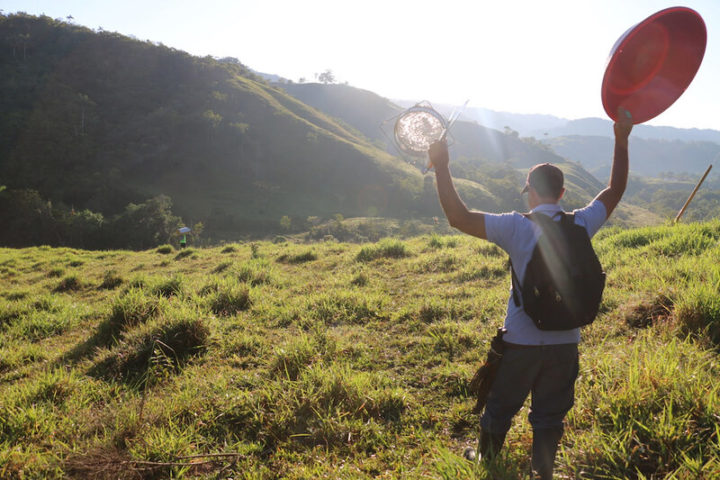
(107, 141)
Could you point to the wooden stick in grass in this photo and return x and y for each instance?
(682, 210)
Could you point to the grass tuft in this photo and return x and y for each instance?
(386, 248)
(56, 272)
(158, 348)
(699, 312)
(360, 280)
(111, 280)
(169, 287)
(255, 272)
(305, 257)
(131, 309)
(233, 247)
(222, 267)
(165, 249)
(227, 298)
(71, 283)
(187, 252)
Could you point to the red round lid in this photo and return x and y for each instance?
(653, 63)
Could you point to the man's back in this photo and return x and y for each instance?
(518, 236)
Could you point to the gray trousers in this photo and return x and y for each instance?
(548, 372)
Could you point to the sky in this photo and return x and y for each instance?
(520, 56)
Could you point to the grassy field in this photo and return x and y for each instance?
(332, 360)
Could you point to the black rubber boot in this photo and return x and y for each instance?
(544, 448)
(490, 444)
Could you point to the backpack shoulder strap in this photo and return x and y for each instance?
(567, 217)
(513, 275)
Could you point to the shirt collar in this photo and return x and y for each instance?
(547, 208)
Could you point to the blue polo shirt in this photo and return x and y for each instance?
(518, 236)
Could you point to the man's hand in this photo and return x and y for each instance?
(438, 153)
(622, 127)
(611, 196)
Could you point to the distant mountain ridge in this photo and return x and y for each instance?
(653, 150)
(543, 125)
(601, 127)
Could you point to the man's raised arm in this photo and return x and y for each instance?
(472, 223)
(611, 196)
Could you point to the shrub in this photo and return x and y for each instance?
(143, 226)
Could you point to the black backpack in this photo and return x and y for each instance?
(564, 280)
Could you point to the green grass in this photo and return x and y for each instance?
(335, 360)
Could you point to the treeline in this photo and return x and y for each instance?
(28, 219)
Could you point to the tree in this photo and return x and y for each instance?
(326, 77)
(145, 225)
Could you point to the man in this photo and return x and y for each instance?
(544, 363)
